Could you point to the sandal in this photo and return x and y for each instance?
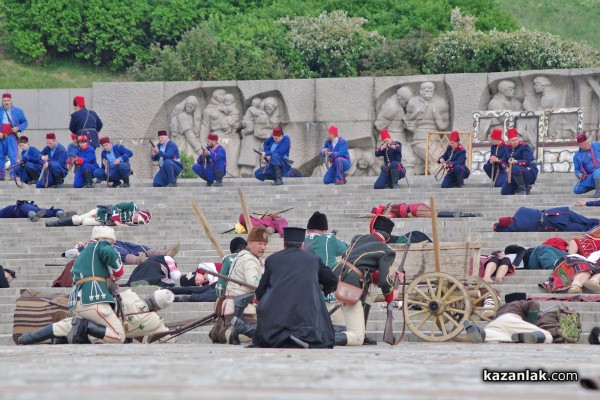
(592, 285)
(575, 289)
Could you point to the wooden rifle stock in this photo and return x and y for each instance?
(509, 172)
(218, 275)
(180, 330)
(207, 230)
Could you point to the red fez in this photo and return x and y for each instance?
(104, 140)
(82, 138)
(79, 101)
(50, 136)
(213, 136)
(512, 133)
(454, 136)
(162, 133)
(73, 136)
(496, 134)
(277, 131)
(385, 134)
(23, 139)
(504, 222)
(582, 137)
(333, 130)
(6, 96)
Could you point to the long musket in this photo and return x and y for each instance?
(266, 214)
(509, 172)
(218, 275)
(45, 170)
(180, 330)
(207, 231)
(442, 170)
(245, 210)
(388, 332)
(495, 173)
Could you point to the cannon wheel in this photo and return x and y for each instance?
(439, 299)
(479, 289)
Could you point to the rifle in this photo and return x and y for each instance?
(107, 171)
(11, 124)
(495, 173)
(266, 214)
(388, 332)
(204, 158)
(218, 275)
(45, 170)
(509, 172)
(206, 228)
(245, 210)
(180, 330)
(442, 170)
(19, 185)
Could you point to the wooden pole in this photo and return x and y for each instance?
(245, 210)
(207, 229)
(436, 238)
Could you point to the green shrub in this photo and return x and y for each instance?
(188, 162)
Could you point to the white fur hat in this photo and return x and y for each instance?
(103, 232)
(162, 298)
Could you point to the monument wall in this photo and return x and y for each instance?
(244, 112)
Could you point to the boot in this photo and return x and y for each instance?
(36, 337)
(529, 337)
(183, 298)
(460, 180)
(218, 179)
(32, 175)
(89, 178)
(341, 339)
(367, 340)
(278, 176)
(597, 192)
(59, 182)
(82, 328)
(65, 214)
(520, 181)
(527, 189)
(60, 222)
(474, 333)
(125, 182)
(35, 216)
(395, 177)
(237, 324)
(239, 327)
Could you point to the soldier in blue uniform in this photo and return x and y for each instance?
(117, 157)
(169, 161)
(559, 219)
(85, 122)
(211, 164)
(524, 171)
(12, 122)
(28, 209)
(336, 150)
(493, 168)
(31, 162)
(55, 169)
(85, 164)
(586, 163)
(454, 159)
(276, 152)
(391, 170)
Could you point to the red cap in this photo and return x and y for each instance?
(556, 242)
(163, 133)
(79, 101)
(73, 136)
(496, 134)
(23, 139)
(385, 134)
(504, 222)
(512, 133)
(582, 137)
(104, 140)
(82, 138)
(277, 131)
(6, 96)
(454, 136)
(213, 136)
(333, 130)
(50, 136)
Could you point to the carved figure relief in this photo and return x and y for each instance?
(546, 97)
(186, 118)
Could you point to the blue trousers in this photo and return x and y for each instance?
(211, 173)
(8, 148)
(21, 211)
(502, 175)
(168, 173)
(30, 172)
(587, 183)
(450, 178)
(335, 173)
(384, 180)
(117, 172)
(268, 174)
(125, 248)
(55, 174)
(528, 176)
(79, 180)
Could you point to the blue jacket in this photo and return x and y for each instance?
(88, 155)
(499, 151)
(454, 157)
(119, 151)
(523, 154)
(217, 154)
(171, 152)
(17, 117)
(390, 154)
(59, 158)
(78, 119)
(340, 149)
(557, 219)
(31, 155)
(587, 162)
(283, 147)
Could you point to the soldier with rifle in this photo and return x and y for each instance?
(55, 168)
(453, 160)
(94, 296)
(30, 167)
(85, 164)
(211, 164)
(391, 170)
(522, 169)
(115, 159)
(493, 168)
(13, 123)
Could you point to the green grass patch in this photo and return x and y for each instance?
(575, 20)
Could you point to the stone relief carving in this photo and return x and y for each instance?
(503, 99)
(185, 122)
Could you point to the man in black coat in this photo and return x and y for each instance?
(6, 277)
(291, 311)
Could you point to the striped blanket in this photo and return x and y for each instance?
(34, 310)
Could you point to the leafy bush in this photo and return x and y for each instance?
(188, 162)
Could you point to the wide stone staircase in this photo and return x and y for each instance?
(29, 247)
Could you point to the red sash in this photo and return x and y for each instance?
(7, 129)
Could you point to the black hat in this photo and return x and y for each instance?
(293, 234)
(188, 280)
(318, 221)
(594, 337)
(381, 223)
(510, 297)
(513, 249)
(236, 243)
